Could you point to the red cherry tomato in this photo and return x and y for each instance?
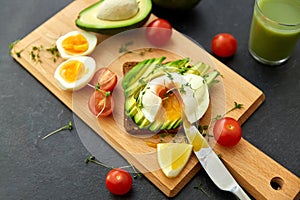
(224, 45)
(227, 131)
(101, 103)
(118, 181)
(106, 79)
(159, 32)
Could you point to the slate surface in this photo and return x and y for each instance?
(55, 168)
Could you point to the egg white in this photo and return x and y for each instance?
(195, 96)
(89, 66)
(91, 39)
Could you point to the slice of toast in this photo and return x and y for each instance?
(129, 123)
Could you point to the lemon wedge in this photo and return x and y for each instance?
(172, 157)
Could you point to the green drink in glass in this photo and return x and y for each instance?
(275, 30)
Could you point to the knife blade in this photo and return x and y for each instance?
(211, 163)
(209, 160)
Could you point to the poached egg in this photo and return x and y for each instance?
(159, 103)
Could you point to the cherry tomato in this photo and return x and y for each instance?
(118, 181)
(159, 32)
(224, 45)
(106, 79)
(101, 103)
(227, 131)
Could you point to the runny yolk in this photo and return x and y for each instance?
(72, 71)
(170, 103)
(172, 107)
(75, 44)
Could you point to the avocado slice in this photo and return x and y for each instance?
(88, 21)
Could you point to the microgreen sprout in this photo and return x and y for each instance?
(69, 126)
(124, 49)
(169, 75)
(92, 159)
(54, 52)
(11, 47)
(136, 173)
(203, 129)
(97, 87)
(36, 51)
(107, 94)
(200, 187)
(236, 106)
(145, 51)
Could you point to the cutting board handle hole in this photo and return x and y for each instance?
(276, 183)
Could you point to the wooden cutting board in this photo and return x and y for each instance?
(254, 170)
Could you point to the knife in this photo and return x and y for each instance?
(209, 160)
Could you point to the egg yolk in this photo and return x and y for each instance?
(75, 44)
(170, 103)
(72, 71)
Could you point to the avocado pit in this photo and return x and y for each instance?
(116, 10)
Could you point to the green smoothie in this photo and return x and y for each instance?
(275, 29)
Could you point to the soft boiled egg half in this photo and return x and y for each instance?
(158, 100)
(76, 43)
(75, 73)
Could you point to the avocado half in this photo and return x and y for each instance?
(87, 19)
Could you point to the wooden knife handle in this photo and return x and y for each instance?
(258, 174)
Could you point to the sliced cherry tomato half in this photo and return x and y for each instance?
(227, 131)
(224, 45)
(159, 32)
(101, 103)
(118, 181)
(106, 79)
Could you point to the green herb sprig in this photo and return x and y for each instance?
(200, 187)
(236, 106)
(54, 52)
(92, 159)
(124, 49)
(69, 126)
(35, 53)
(203, 128)
(13, 51)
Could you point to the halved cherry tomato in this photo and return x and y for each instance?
(106, 79)
(101, 103)
(227, 131)
(224, 45)
(118, 181)
(159, 32)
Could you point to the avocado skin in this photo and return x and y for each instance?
(106, 30)
(111, 31)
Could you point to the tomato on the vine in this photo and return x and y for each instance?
(159, 32)
(101, 103)
(227, 131)
(224, 45)
(118, 181)
(106, 79)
